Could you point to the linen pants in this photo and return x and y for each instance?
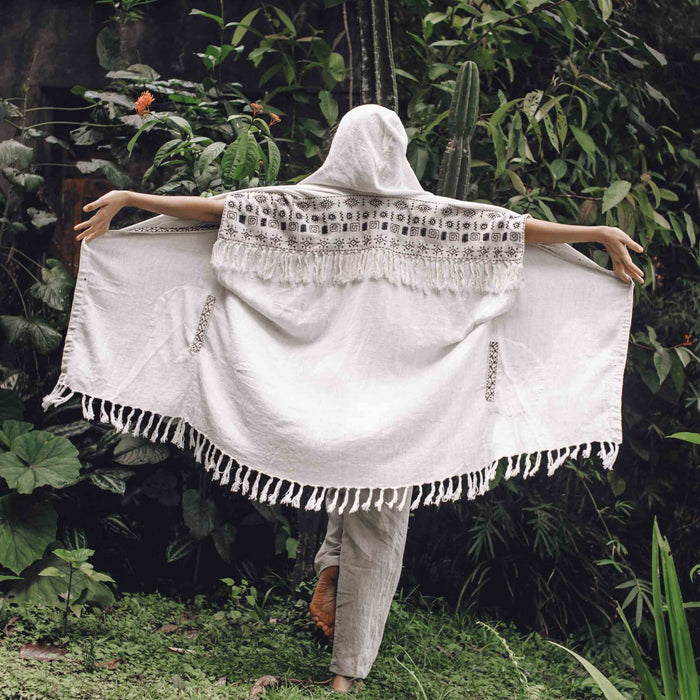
(368, 547)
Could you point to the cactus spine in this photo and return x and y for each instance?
(377, 54)
(455, 168)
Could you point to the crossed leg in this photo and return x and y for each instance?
(367, 548)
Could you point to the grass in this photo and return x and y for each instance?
(427, 653)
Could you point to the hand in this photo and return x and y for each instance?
(616, 242)
(107, 207)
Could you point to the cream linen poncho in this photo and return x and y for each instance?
(351, 332)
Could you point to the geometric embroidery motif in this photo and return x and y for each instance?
(406, 226)
(492, 366)
(200, 333)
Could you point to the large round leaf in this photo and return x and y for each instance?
(132, 450)
(34, 331)
(11, 430)
(48, 589)
(38, 459)
(199, 514)
(25, 529)
(57, 286)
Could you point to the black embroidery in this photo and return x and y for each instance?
(492, 367)
(456, 233)
(200, 333)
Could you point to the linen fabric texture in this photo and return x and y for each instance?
(353, 335)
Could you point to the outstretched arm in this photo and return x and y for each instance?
(614, 239)
(181, 206)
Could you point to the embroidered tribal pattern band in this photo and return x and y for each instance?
(336, 239)
(404, 225)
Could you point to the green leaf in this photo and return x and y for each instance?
(614, 194)
(688, 437)
(112, 172)
(608, 689)
(656, 54)
(244, 157)
(132, 450)
(336, 66)
(75, 556)
(274, 160)
(646, 681)
(690, 227)
(50, 589)
(551, 133)
(584, 140)
(562, 124)
(208, 156)
(531, 102)
(108, 48)
(26, 528)
(285, 20)
(659, 621)
(223, 537)
(243, 26)
(11, 429)
(662, 362)
(329, 107)
(179, 549)
(558, 169)
(29, 182)
(181, 123)
(217, 18)
(606, 8)
(517, 182)
(41, 218)
(15, 153)
(199, 514)
(109, 482)
(56, 289)
(38, 459)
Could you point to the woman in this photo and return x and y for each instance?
(359, 563)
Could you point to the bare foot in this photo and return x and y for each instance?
(342, 683)
(322, 608)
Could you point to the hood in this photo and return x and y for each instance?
(368, 154)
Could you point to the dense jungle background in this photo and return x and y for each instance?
(589, 112)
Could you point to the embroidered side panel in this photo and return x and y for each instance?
(405, 226)
(490, 392)
(203, 323)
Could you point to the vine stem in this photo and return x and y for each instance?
(350, 63)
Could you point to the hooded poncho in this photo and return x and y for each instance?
(351, 332)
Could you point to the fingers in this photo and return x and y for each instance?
(627, 273)
(634, 245)
(90, 233)
(627, 260)
(90, 206)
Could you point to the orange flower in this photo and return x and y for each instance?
(143, 102)
(274, 118)
(257, 108)
(689, 340)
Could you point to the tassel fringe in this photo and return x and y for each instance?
(334, 267)
(247, 481)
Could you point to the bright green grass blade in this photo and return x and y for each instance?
(659, 620)
(649, 688)
(609, 690)
(680, 633)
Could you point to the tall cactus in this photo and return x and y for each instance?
(455, 168)
(377, 54)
